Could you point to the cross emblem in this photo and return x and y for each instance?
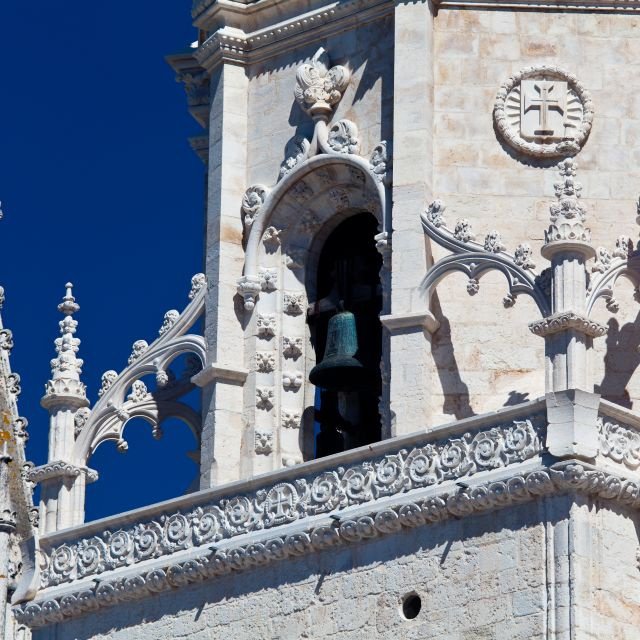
(281, 501)
(543, 106)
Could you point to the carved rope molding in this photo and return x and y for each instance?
(422, 507)
(285, 502)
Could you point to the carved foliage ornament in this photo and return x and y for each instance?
(319, 87)
(282, 503)
(543, 111)
(397, 473)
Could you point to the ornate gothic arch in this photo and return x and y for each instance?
(322, 182)
(106, 421)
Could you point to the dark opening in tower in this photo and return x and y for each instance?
(347, 337)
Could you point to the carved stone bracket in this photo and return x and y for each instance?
(567, 320)
(60, 469)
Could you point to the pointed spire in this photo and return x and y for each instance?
(66, 367)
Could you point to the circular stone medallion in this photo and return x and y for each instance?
(544, 111)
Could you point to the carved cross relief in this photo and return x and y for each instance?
(542, 109)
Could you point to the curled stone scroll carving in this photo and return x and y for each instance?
(427, 465)
(283, 504)
(619, 443)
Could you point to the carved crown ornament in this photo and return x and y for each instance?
(320, 86)
(544, 111)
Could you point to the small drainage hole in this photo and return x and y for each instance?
(411, 605)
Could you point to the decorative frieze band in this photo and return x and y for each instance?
(619, 443)
(288, 501)
(413, 511)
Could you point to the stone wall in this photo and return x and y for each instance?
(504, 576)
(491, 353)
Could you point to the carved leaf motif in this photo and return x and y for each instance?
(319, 87)
(343, 137)
(252, 201)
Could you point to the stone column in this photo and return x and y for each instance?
(409, 323)
(223, 424)
(62, 480)
(572, 406)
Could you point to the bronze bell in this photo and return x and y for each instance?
(340, 370)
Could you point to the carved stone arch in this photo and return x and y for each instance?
(151, 410)
(288, 197)
(282, 254)
(114, 407)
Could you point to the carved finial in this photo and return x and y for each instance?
(319, 87)
(567, 214)
(66, 367)
(68, 306)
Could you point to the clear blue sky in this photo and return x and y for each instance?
(98, 186)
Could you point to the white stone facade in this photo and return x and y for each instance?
(496, 150)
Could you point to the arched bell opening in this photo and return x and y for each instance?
(346, 335)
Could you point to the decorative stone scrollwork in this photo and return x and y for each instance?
(319, 87)
(619, 443)
(493, 243)
(266, 325)
(291, 419)
(263, 442)
(107, 380)
(138, 349)
(379, 161)
(6, 340)
(567, 215)
(198, 282)
(343, 137)
(293, 303)
(434, 213)
(522, 256)
(567, 320)
(249, 287)
(139, 392)
(463, 231)
(292, 380)
(544, 111)
(340, 199)
(301, 192)
(271, 239)
(265, 361)
(268, 279)
(13, 384)
(170, 318)
(296, 150)
(603, 261)
(252, 201)
(291, 347)
(80, 419)
(264, 398)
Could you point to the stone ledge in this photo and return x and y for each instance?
(427, 505)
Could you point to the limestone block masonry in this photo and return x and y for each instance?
(496, 147)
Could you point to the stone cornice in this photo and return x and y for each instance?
(497, 489)
(250, 45)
